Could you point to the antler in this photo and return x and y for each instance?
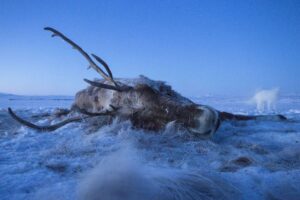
(43, 128)
(102, 85)
(62, 123)
(108, 77)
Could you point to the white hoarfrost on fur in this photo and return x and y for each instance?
(106, 99)
(153, 84)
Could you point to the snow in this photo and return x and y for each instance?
(243, 160)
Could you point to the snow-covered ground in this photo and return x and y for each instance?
(244, 160)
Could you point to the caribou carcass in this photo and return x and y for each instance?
(147, 104)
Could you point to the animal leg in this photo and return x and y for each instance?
(229, 116)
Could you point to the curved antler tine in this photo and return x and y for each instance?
(43, 128)
(105, 65)
(77, 47)
(102, 85)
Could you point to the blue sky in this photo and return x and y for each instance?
(199, 47)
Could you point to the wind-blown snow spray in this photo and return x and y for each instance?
(120, 176)
(265, 100)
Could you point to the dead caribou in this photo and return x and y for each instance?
(148, 104)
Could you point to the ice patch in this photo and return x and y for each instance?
(294, 111)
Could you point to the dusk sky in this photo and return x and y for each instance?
(198, 47)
